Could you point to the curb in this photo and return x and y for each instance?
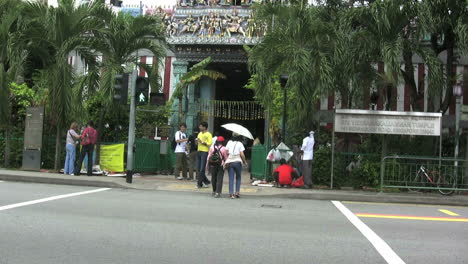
(59, 181)
(322, 195)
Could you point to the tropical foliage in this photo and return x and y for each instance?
(334, 47)
(36, 42)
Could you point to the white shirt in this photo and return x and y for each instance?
(180, 146)
(214, 141)
(234, 148)
(308, 148)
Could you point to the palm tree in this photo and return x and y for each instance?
(298, 42)
(12, 57)
(119, 43)
(196, 72)
(446, 22)
(63, 29)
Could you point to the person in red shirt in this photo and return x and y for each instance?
(88, 139)
(284, 174)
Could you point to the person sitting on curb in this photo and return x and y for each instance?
(284, 174)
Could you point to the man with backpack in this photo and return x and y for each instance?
(88, 139)
(180, 150)
(216, 157)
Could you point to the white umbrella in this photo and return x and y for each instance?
(238, 129)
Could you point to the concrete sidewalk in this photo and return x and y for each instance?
(168, 183)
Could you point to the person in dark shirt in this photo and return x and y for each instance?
(192, 155)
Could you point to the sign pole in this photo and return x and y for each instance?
(131, 128)
(333, 150)
(440, 145)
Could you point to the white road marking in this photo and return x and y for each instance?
(379, 244)
(1, 181)
(11, 206)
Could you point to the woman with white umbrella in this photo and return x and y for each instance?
(233, 164)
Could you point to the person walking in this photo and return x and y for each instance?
(204, 141)
(307, 157)
(88, 139)
(216, 158)
(180, 151)
(71, 142)
(192, 156)
(236, 158)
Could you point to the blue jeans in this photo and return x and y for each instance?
(70, 159)
(201, 167)
(235, 167)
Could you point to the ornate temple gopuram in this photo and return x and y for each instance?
(199, 29)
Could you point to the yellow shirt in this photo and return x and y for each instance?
(206, 138)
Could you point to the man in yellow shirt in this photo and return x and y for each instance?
(204, 141)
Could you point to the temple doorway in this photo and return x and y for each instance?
(237, 103)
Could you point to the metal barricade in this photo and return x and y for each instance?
(424, 173)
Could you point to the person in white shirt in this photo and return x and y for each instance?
(180, 151)
(307, 157)
(234, 163)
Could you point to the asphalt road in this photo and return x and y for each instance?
(93, 225)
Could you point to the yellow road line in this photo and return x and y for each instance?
(448, 212)
(409, 217)
(405, 204)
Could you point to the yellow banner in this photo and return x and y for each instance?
(112, 157)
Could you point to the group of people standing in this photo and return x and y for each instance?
(211, 155)
(87, 140)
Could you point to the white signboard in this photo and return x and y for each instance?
(388, 122)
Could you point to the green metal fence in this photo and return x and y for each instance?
(258, 161)
(147, 155)
(424, 173)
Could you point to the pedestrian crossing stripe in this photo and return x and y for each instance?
(409, 217)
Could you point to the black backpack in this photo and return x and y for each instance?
(215, 158)
(174, 143)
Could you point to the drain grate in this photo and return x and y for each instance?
(271, 206)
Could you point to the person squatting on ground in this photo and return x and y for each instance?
(88, 139)
(192, 156)
(234, 163)
(204, 141)
(180, 151)
(284, 174)
(307, 157)
(216, 158)
(72, 138)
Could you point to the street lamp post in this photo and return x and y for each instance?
(283, 81)
(458, 92)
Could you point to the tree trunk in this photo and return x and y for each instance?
(97, 160)
(449, 81)
(57, 149)
(408, 75)
(345, 98)
(450, 78)
(7, 147)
